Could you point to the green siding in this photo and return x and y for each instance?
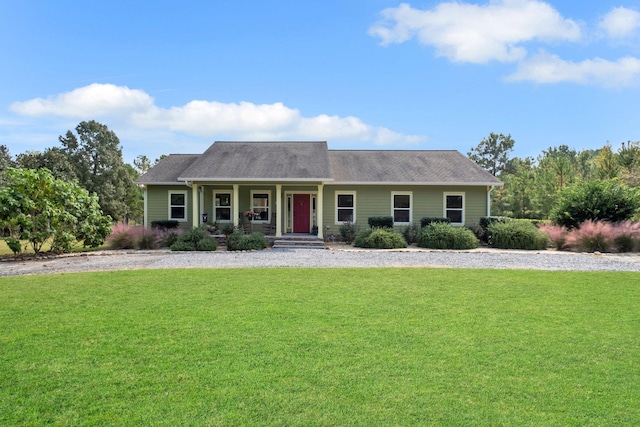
(370, 201)
(158, 204)
(427, 202)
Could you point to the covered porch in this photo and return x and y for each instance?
(274, 209)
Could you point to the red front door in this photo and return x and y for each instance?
(301, 213)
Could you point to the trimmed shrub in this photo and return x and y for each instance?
(431, 219)
(484, 224)
(438, 235)
(557, 234)
(165, 224)
(380, 221)
(196, 239)
(380, 238)
(411, 232)
(517, 234)
(348, 232)
(596, 201)
(237, 241)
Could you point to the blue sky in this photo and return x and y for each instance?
(172, 77)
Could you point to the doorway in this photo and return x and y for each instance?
(301, 213)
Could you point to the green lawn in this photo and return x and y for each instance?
(321, 347)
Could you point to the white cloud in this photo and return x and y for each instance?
(547, 68)
(620, 22)
(209, 119)
(93, 100)
(466, 32)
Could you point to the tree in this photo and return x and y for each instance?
(37, 207)
(607, 163)
(97, 159)
(598, 200)
(6, 161)
(142, 164)
(53, 159)
(519, 189)
(492, 154)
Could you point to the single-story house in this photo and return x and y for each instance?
(303, 187)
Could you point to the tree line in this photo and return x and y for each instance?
(532, 186)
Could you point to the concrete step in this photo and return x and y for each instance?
(298, 243)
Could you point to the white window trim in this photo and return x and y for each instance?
(216, 192)
(339, 193)
(393, 208)
(444, 205)
(269, 204)
(186, 203)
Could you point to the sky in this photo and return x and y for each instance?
(173, 77)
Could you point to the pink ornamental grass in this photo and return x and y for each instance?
(592, 236)
(557, 234)
(124, 236)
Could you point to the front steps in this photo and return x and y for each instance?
(298, 242)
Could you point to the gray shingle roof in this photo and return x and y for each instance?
(167, 170)
(312, 161)
(409, 167)
(262, 161)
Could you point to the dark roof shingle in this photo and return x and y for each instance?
(168, 169)
(407, 167)
(261, 161)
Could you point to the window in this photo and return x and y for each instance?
(401, 203)
(222, 207)
(260, 205)
(345, 207)
(454, 207)
(178, 205)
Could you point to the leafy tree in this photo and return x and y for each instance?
(597, 200)
(6, 161)
(518, 192)
(142, 163)
(96, 155)
(37, 207)
(557, 169)
(492, 154)
(629, 159)
(134, 198)
(53, 159)
(607, 163)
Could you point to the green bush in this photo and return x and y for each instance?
(438, 235)
(227, 229)
(485, 222)
(237, 241)
(431, 219)
(517, 234)
(14, 244)
(608, 200)
(196, 239)
(380, 238)
(411, 232)
(348, 231)
(380, 221)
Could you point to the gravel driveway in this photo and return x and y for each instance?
(335, 257)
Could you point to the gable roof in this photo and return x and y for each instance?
(407, 167)
(314, 162)
(167, 170)
(261, 161)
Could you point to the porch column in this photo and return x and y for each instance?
(195, 204)
(236, 205)
(279, 210)
(145, 218)
(319, 210)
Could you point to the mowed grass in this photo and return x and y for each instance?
(314, 347)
